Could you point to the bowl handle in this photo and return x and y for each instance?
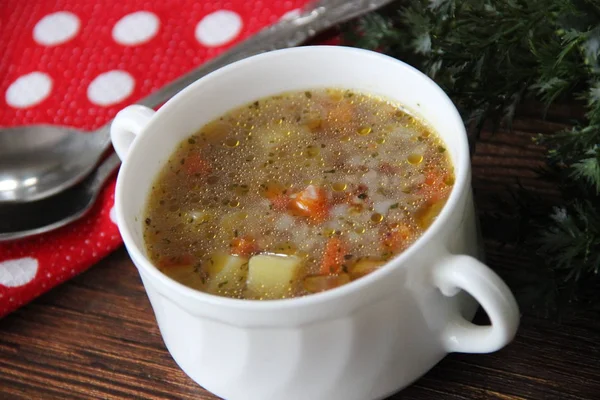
(461, 272)
(128, 123)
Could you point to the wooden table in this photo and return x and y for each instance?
(96, 337)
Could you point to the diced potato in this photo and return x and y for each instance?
(227, 274)
(364, 266)
(320, 283)
(272, 276)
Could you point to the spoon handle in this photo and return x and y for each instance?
(104, 171)
(314, 18)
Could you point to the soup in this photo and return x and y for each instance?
(295, 194)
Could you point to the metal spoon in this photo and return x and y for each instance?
(36, 217)
(38, 161)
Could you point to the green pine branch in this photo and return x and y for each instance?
(490, 56)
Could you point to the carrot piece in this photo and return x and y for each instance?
(395, 237)
(196, 165)
(435, 188)
(333, 256)
(431, 178)
(311, 202)
(243, 246)
(341, 114)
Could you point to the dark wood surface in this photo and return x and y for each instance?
(95, 337)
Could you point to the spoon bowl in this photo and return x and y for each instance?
(38, 161)
(20, 220)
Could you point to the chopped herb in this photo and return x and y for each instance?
(308, 95)
(362, 196)
(331, 171)
(182, 161)
(235, 233)
(192, 141)
(221, 284)
(348, 256)
(441, 149)
(345, 268)
(148, 221)
(394, 206)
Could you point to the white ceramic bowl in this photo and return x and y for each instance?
(365, 340)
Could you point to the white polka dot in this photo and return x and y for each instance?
(56, 28)
(218, 28)
(292, 14)
(18, 272)
(113, 215)
(29, 90)
(110, 87)
(136, 28)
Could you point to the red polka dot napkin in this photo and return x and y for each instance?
(77, 63)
